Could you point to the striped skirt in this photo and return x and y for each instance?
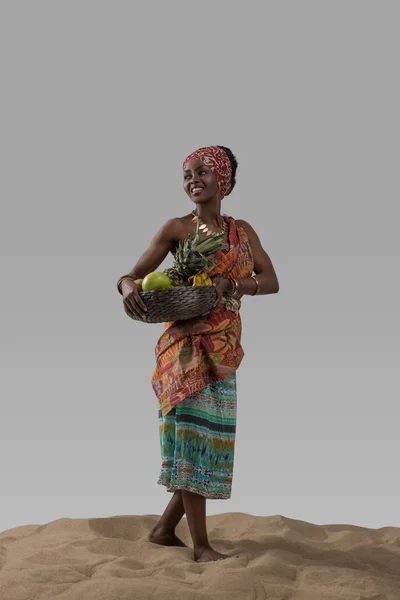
(197, 441)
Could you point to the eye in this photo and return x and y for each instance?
(202, 171)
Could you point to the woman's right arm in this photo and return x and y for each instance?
(152, 257)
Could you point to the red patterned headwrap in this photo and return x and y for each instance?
(218, 161)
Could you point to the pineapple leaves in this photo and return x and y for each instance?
(192, 257)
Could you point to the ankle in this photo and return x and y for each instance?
(202, 546)
(163, 529)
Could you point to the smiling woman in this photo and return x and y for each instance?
(215, 173)
(197, 359)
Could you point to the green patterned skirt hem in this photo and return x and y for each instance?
(197, 441)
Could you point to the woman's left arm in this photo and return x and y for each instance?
(263, 268)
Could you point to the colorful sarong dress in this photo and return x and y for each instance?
(195, 383)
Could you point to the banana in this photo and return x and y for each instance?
(201, 279)
(198, 279)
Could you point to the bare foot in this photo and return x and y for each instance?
(164, 538)
(208, 554)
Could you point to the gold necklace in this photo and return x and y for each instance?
(204, 228)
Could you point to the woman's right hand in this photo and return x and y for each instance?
(133, 303)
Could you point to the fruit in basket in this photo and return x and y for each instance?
(193, 257)
(175, 278)
(155, 281)
(201, 279)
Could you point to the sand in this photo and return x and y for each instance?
(279, 559)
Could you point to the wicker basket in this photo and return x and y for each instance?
(176, 303)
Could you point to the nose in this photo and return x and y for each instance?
(193, 180)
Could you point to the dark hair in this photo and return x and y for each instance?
(234, 165)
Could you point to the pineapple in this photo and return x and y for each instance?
(174, 276)
(192, 258)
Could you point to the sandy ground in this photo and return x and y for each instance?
(279, 559)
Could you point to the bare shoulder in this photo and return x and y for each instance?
(173, 229)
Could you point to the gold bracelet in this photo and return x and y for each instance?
(235, 292)
(239, 289)
(120, 280)
(257, 290)
(233, 287)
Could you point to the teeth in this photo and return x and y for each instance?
(198, 189)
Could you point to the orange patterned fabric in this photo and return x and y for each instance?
(191, 353)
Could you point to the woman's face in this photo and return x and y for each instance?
(196, 174)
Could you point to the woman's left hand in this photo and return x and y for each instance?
(222, 286)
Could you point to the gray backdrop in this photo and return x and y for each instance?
(100, 104)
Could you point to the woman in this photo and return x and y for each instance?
(197, 359)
